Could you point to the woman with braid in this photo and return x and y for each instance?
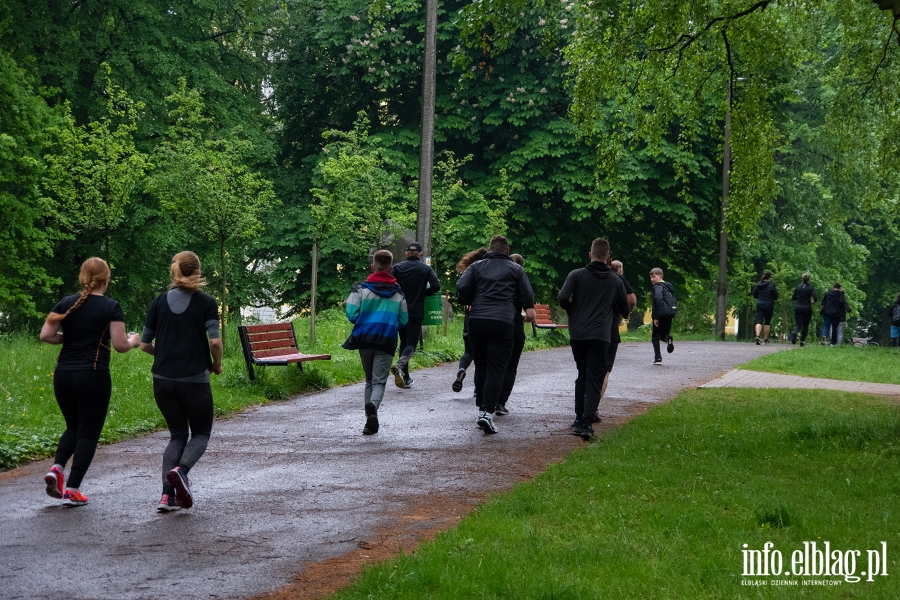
(81, 380)
(185, 324)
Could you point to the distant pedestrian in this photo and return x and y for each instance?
(766, 294)
(493, 287)
(466, 359)
(834, 308)
(81, 380)
(417, 280)
(377, 308)
(662, 312)
(181, 332)
(616, 267)
(594, 298)
(512, 368)
(804, 297)
(894, 316)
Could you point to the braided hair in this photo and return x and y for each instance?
(94, 273)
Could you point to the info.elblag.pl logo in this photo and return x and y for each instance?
(813, 561)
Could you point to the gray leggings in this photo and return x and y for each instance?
(187, 409)
(376, 365)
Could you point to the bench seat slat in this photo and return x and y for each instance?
(287, 347)
(276, 335)
(285, 359)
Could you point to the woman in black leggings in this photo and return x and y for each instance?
(81, 380)
(804, 296)
(466, 359)
(184, 322)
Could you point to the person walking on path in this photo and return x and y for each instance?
(493, 287)
(894, 316)
(834, 307)
(377, 308)
(614, 338)
(662, 312)
(417, 280)
(804, 296)
(594, 298)
(466, 359)
(184, 322)
(512, 368)
(81, 380)
(766, 294)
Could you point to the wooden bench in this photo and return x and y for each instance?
(543, 319)
(273, 345)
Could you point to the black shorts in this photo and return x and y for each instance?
(611, 350)
(764, 315)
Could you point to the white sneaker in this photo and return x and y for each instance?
(486, 422)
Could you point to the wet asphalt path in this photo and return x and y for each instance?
(293, 483)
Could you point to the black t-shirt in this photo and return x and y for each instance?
(182, 346)
(614, 337)
(86, 332)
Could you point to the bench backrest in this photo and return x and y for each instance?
(275, 339)
(542, 314)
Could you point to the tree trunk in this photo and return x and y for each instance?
(312, 301)
(426, 149)
(722, 290)
(224, 285)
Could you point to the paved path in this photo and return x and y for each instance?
(286, 486)
(739, 378)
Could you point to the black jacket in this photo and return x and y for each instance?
(804, 296)
(659, 307)
(834, 305)
(412, 275)
(495, 287)
(765, 293)
(598, 298)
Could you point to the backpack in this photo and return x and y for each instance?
(670, 308)
(895, 315)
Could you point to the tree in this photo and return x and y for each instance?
(206, 181)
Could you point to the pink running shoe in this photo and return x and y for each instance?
(182, 485)
(54, 480)
(74, 498)
(167, 504)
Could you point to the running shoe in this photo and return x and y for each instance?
(407, 381)
(460, 375)
(486, 422)
(167, 504)
(802, 344)
(670, 348)
(586, 432)
(182, 485)
(501, 410)
(657, 361)
(757, 340)
(74, 498)
(398, 377)
(575, 427)
(766, 341)
(54, 480)
(793, 338)
(371, 419)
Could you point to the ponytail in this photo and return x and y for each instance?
(185, 272)
(94, 273)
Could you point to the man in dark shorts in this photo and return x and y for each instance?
(594, 298)
(766, 294)
(417, 280)
(614, 337)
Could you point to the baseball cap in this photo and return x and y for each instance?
(414, 247)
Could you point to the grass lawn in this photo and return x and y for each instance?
(866, 363)
(30, 421)
(662, 507)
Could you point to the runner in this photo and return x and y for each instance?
(180, 320)
(81, 380)
(662, 313)
(804, 296)
(614, 337)
(466, 359)
(509, 379)
(766, 294)
(417, 280)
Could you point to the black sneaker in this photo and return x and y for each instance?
(371, 419)
(802, 344)
(586, 432)
(793, 338)
(575, 427)
(398, 376)
(183, 496)
(670, 348)
(657, 361)
(486, 422)
(757, 340)
(501, 410)
(767, 341)
(460, 375)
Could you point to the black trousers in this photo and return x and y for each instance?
(83, 398)
(410, 334)
(492, 344)
(591, 359)
(660, 332)
(188, 411)
(802, 316)
(512, 369)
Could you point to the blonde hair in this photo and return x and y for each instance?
(185, 272)
(94, 273)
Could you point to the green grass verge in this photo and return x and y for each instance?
(848, 363)
(30, 421)
(662, 507)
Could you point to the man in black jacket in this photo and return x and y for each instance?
(493, 287)
(834, 308)
(594, 297)
(417, 280)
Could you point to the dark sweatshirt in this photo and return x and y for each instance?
(495, 288)
(766, 294)
(659, 307)
(413, 275)
(834, 305)
(804, 296)
(598, 297)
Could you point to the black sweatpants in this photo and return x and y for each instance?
(591, 359)
(187, 409)
(512, 369)
(803, 316)
(492, 344)
(83, 398)
(660, 332)
(410, 334)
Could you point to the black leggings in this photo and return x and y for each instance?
(186, 407)
(83, 398)
(410, 334)
(509, 378)
(803, 316)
